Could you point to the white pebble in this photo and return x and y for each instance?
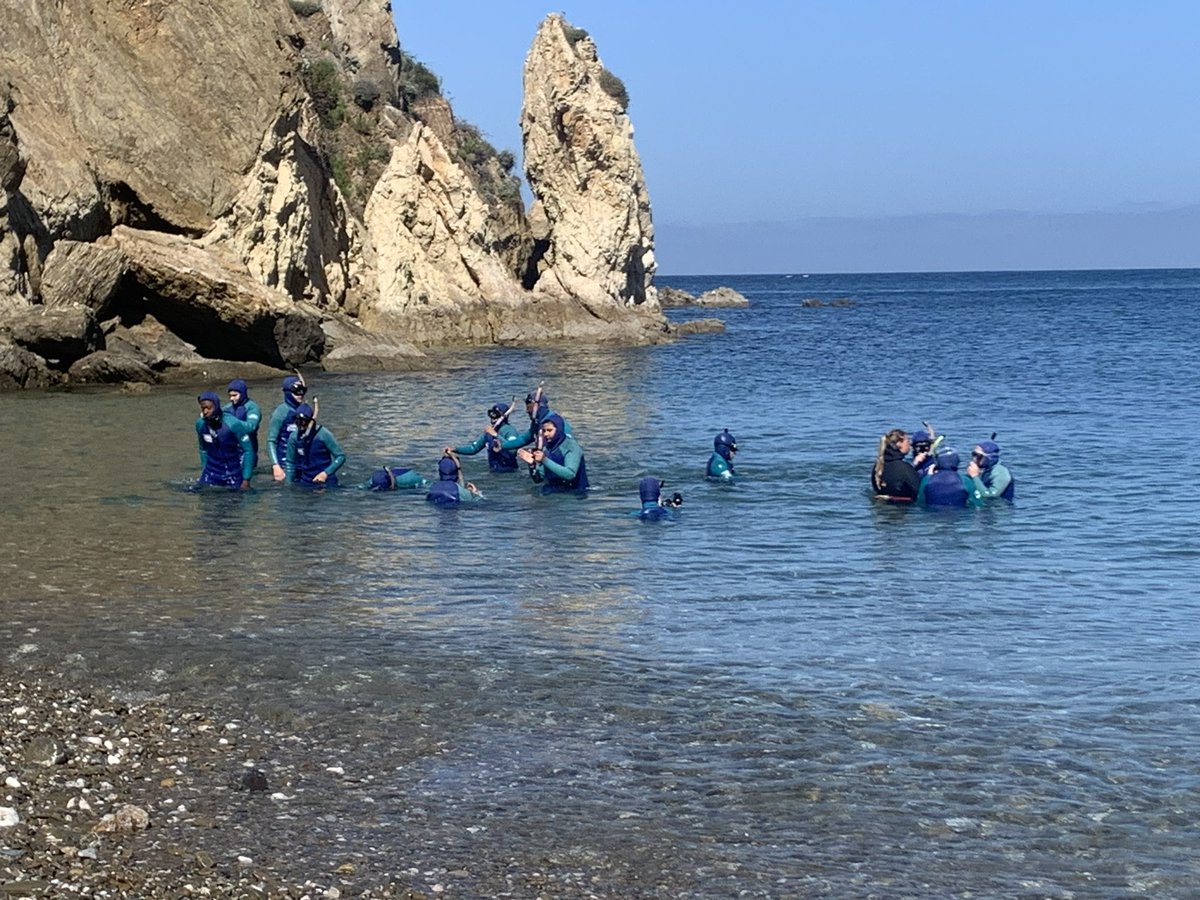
(336, 770)
(8, 817)
(245, 861)
(11, 782)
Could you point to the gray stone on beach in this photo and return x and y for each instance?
(43, 750)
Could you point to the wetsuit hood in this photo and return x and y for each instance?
(239, 385)
(991, 454)
(289, 383)
(381, 481)
(947, 460)
(560, 431)
(447, 469)
(211, 396)
(725, 444)
(496, 410)
(650, 489)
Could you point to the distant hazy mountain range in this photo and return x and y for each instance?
(1133, 236)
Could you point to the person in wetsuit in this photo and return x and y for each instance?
(990, 477)
(720, 464)
(395, 478)
(922, 452)
(241, 407)
(449, 489)
(654, 507)
(493, 438)
(283, 423)
(226, 458)
(947, 486)
(313, 454)
(893, 477)
(559, 465)
(538, 408)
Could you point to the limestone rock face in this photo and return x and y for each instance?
(60, 334)
(223, 313)
(21, 368)
(289, 226)
(89, 274)
(586, 176)
(242, 182)
(151, 110)
(367, 37)
(435, 246)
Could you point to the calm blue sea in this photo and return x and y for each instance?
(791, 691)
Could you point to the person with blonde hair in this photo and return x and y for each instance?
(893, 477)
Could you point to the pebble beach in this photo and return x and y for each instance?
(107, 795)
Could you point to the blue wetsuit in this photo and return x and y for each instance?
(245, 410)
(226, 458)
(313, 452)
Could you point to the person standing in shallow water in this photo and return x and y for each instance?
(947, 486)
(241, 407)
(283, 423)
(720, 464)
(893, 477)
(225, 455)
(990, 477)
(559, 465)
(493, 438)
(313, 453)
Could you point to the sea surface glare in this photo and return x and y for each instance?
(791, 691)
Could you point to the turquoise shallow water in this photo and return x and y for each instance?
(789, 691)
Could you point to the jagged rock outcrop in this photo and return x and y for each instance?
(255, 181)
(289, 226)
(596, 238)
(434, 244)
(214, 305)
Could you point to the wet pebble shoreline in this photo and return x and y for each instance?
(107, 797)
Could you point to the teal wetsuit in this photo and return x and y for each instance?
(1000, 479)
(502, 460)
(719, 468)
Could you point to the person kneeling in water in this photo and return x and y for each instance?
(654, 506)
(449, 489)
(557, 463)
(946, 486)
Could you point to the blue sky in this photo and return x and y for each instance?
(1056, 124)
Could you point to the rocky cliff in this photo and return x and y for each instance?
(278, 182)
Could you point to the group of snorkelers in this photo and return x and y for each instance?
(931, 477)
(303, 451)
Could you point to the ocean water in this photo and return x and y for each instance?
(789, 691)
